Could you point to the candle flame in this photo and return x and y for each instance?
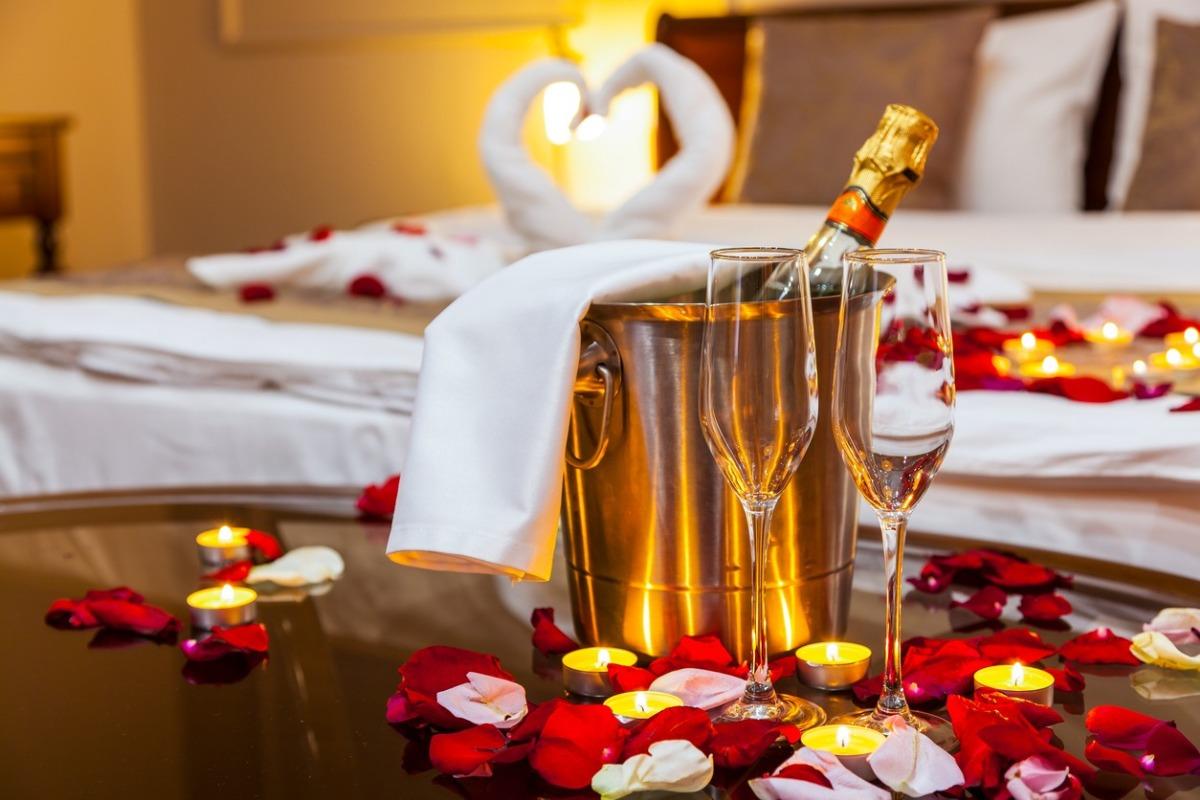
(1191, 336)
(1139, 367)
(639, 703)
(1174, 357)
(1028, 340)
(227, 593)
(1018, 675)
(603, 658)
(831, 652)
(842, 737)
(225, 535)
(1109, 330)
(1050, 365)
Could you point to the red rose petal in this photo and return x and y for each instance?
(987, 603)
(530, 728)
(409, 228)
(575, 742)
(1067, 679)
(1015, 644)
(629, 679)
(804, 772)
(1044, 607)
(399, 711)
(139, 618)
(256, 292)
(680, 722)
(367, 286)
(378, 500)
(783, 667)
(702, 652)
(1038, 715)
(434, 669)
(1111, 759)
(1100, 646)
(548, 638)
(1170, 753)
(1150, 391)
(118, 593)
(263, 543)
(66, 614)
(244, 639)
(742, 743)
(1082, 389)
(1116, 726)
(231, 573)
(321, 233)
(1190, 405)
(1019, 576)
(466, 752)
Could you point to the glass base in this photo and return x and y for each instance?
(936, 728)
(786, 708)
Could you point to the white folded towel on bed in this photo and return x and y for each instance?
(535, 207)
(483, 476)
(411, 262)
(154, 342)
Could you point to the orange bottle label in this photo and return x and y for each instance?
(854, 212)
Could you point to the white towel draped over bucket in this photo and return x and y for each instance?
(483, 478)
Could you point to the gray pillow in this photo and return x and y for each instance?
(817, 84)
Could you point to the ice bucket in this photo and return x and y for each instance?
(656, 542)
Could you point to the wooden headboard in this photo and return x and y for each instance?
(718, 45)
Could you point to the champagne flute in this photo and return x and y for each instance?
(893, 417)
(758, 409)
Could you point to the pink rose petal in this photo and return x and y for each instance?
(700, 688)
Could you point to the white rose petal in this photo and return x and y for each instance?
(701, 688)
(672, 765)
(486, 700)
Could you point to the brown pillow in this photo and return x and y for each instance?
(1168, 174)
(823, 80)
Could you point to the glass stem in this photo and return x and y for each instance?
(893, 526)
(758, 683)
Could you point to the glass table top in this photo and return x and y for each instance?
(81, 721)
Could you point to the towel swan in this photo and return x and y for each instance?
(541, 213)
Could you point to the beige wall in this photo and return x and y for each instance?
(182, 144)
(80, 57)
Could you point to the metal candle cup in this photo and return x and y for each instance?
(226, 605)
(852, 744)
(585, 671)
(222, 546)
(629, 706)
(1016, 680)
(832, 666)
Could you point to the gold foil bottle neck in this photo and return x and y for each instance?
(893, 160)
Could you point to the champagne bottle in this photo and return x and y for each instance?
(888, 164)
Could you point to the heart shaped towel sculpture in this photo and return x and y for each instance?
(536, 208)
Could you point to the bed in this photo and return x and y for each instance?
(1143, 508)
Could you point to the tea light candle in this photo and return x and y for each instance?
(641, 705)
(585, 671)
(833, 665)
(1048, 367)
(1184, 340)
(852, 744)
(227, 605)
(1109, 335)
(1015, 680)
(222, 546)
(1174, 358)
(1028, 347)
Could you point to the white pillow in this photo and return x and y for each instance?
(1137, 74)
(1037, 80)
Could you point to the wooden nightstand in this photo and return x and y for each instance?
(31, 177)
